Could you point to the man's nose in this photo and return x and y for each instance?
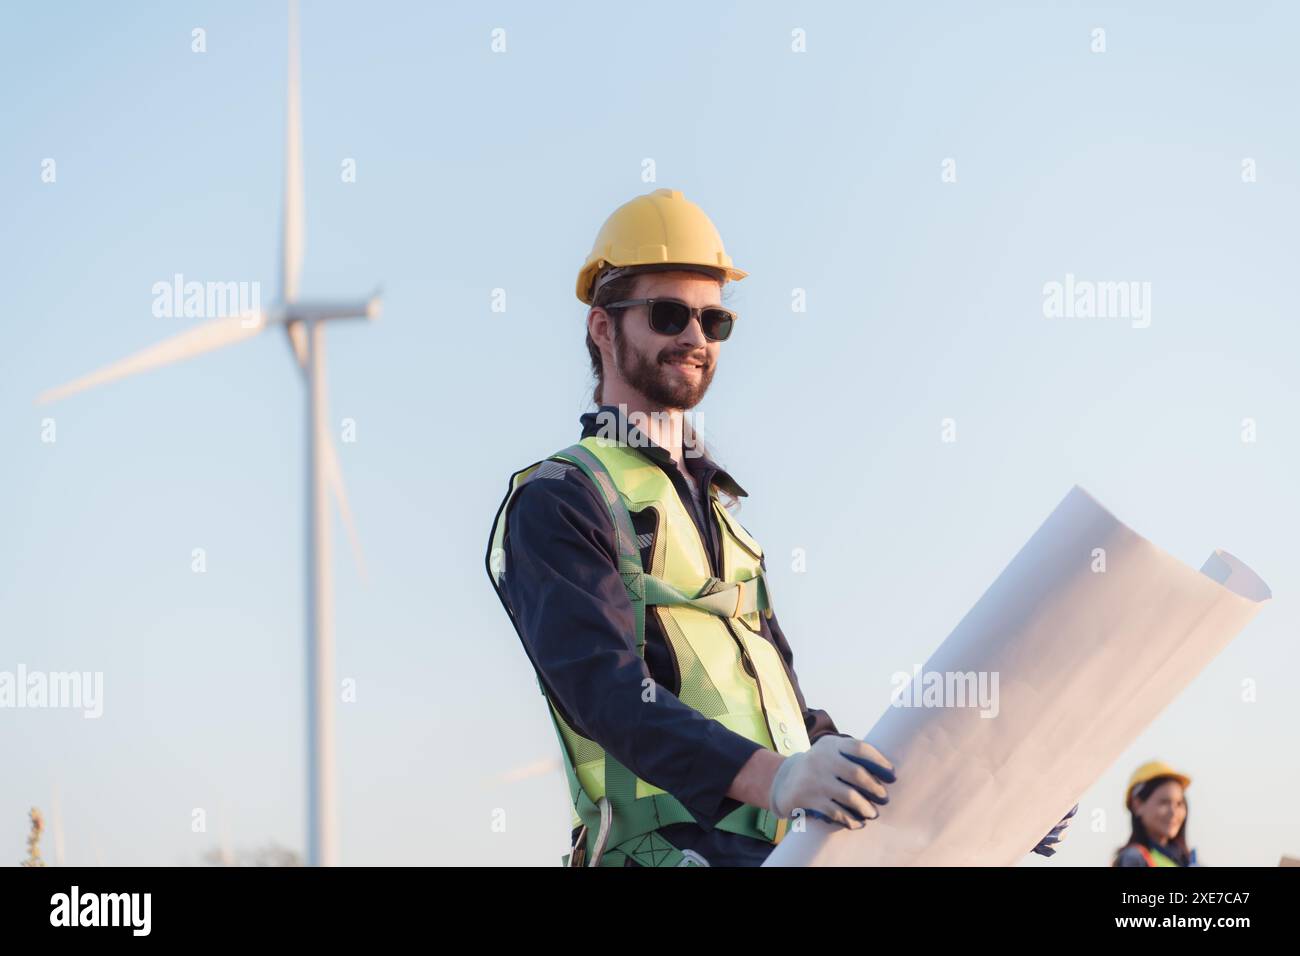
(693, 334)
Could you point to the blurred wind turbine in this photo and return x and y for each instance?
(304, 326)
(538, 768)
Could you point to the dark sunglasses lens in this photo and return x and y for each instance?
(669, 318)
(716, 323)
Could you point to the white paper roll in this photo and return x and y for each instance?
(1089, 633)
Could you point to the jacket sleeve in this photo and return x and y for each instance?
(576, 621)
(817, 722)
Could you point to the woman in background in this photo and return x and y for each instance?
(1155, 800)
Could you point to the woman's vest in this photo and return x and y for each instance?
(1154, 857)
(729, 671)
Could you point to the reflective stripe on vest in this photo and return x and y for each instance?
(1154, 857)
(729, 671)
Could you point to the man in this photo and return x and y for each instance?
(684, 723)
(642, 602)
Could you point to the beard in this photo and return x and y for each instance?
(655, 380)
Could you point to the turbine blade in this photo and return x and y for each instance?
(291, 241)
(537, 768)
(207, 337)
(334, 478)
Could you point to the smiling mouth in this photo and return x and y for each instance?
(684, 363)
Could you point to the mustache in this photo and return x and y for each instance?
(699, 357)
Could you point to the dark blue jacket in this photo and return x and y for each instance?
(574, 617)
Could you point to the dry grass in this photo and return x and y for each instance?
(34, 840)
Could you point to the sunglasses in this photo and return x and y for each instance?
(671, 316)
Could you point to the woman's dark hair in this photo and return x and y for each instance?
(1139, 835)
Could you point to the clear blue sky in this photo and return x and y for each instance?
(478, 171)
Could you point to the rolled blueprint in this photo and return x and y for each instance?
(1085, 637)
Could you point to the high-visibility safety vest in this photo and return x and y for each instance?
(729, 671)
(1154, 857)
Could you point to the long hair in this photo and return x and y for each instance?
(616, 290)
(1139, 836)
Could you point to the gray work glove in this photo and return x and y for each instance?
(1045, 845)
(838, 779)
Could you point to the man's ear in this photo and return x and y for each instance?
(600, 327)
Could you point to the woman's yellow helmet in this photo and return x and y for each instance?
(1149, 771)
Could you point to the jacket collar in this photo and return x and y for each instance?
(600, 422)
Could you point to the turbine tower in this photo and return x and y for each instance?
(303, 323)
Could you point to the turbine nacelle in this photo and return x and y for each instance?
(321, 311)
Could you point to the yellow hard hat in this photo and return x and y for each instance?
(662, 228)
(1149, 771)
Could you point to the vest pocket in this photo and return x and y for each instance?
(737, 533)
(742, 559)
